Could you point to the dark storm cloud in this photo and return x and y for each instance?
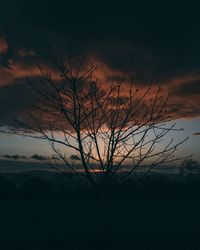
(14, 100)
(189, 88)
(165, 30)
(141, 40)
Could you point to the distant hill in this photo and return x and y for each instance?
(12, 166)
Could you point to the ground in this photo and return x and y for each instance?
(97, 224)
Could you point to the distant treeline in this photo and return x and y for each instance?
(35, 187)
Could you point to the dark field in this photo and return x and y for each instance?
(160, 214)
(138, 224)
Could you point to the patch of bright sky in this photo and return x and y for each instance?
(11, 144)
(192, 146)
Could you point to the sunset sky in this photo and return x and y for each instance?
(160, 40)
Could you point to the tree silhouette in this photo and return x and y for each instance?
(190, 168)
(113, 132)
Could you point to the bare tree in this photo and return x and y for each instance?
(113, 132)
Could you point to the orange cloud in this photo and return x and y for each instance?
(3, 45)
(20, 70)
(23, 52)
(186, 105)
(23, 70)
(16, 71)
(183, 88)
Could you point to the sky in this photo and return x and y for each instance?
(142, 39)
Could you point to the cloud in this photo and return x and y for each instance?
(74, 158)
(38, 157)
(54, 157)
(24, 53)
(14, 157)
(197, 133)
(18, 99)
(135, 42)
(3, 45)
(189, 88)
(19, 69)
(43, 158)
(14, 100)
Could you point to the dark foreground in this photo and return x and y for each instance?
(157, 214)
(93, 224)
